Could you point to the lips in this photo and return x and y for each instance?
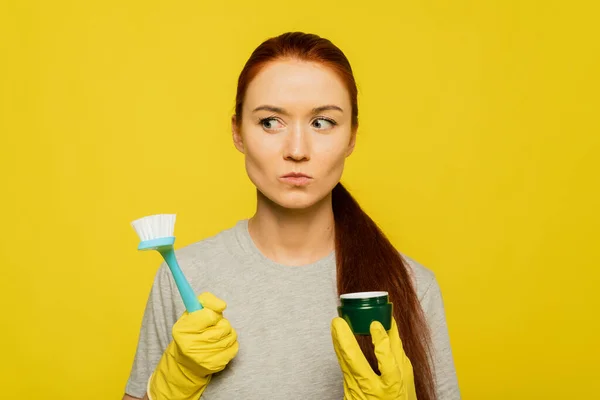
(295, 175)
(296, 179)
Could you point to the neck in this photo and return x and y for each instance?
(293, 237)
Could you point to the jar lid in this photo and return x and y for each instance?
(362, 295)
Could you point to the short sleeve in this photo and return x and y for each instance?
(155, 333)
(443, 361)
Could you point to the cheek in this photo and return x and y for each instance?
(261, 157)
(331, 156)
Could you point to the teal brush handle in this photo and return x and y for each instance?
(185, 290)
(165, 247)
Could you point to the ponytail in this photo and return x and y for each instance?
(367, 261)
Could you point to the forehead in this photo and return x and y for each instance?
(296, 84)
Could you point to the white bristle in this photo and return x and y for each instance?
(154, 226)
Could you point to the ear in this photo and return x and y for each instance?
(352, 142)
(237, 135)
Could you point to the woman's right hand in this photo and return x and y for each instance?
(203, 343)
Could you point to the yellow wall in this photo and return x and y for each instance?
(478, 155)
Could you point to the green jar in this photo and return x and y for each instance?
(361, 308)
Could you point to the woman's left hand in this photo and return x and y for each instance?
(396, 381)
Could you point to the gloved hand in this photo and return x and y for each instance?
(203, 343)
(396, 381)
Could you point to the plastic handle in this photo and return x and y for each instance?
(185, 290)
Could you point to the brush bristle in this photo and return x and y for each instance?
(154, 226)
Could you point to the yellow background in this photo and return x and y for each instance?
(477, 154)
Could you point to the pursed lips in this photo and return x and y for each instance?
(296, 178)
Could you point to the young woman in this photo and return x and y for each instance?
(279, 273)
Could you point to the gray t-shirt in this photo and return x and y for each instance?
(282, 316)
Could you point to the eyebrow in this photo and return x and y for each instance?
(282, 111)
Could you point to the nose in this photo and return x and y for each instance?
(297, 146)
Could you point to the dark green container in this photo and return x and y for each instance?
(360, 309)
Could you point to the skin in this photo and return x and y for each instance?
(296, 117)
(303, 124)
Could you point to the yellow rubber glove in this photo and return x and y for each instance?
(203, 343)
(396, 381)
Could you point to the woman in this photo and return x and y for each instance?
(281, 271)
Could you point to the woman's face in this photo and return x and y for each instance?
(295, 132)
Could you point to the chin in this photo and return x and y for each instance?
(295, 201)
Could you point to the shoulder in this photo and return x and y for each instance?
(202, 261)
(214, 246)
(423, 278)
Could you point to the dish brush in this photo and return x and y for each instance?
(156, 232)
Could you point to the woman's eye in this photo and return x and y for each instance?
(270, 123)
(322, 123)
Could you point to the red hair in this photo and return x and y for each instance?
(365, 258)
